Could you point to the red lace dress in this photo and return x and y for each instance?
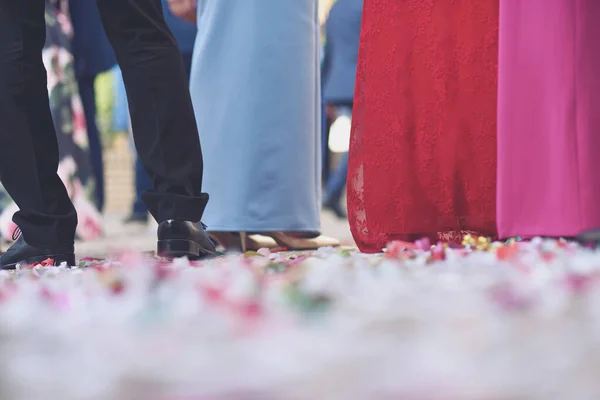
(422, 157)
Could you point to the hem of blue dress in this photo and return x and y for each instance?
(212, 228)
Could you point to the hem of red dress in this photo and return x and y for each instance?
(450, 237)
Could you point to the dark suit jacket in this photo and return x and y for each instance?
(91, 49)
(342, 34)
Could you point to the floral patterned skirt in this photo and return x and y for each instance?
(69, 121)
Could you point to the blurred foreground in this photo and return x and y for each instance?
(505, 321)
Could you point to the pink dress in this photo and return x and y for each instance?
(548, 117)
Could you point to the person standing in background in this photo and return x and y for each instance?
(184, 31)
(342, 35)
(70, 117)
(324, 126)
(256, 92)
(185, 34)
(92, 55)
(324, 8)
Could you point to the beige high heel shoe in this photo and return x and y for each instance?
(241, 241)
(303, 243)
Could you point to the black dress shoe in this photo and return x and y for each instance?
(589, 237)
(184, 239)
(22, 253)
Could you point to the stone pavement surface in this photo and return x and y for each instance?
(119, 237)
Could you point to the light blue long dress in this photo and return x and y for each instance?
(255, 88)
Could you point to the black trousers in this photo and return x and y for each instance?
(161, 111)
(87, 93)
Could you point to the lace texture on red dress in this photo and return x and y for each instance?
(423, 149)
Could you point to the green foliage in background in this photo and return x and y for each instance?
(104, 104)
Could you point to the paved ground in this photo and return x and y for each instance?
(119, 237)
(118, 160)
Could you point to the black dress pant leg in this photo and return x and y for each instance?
(162, 117)
(28, 144)
(87, 93)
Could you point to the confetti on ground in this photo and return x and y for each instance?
(482, 321)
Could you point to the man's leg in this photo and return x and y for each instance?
(143, 183)
(163, 122)
(187, 64)
(336, 183)
(335, 188)
(88, 99)
(325, 124)
(28, 143)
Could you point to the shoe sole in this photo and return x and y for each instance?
(178, 248)
(589, 237)
(58, 260)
